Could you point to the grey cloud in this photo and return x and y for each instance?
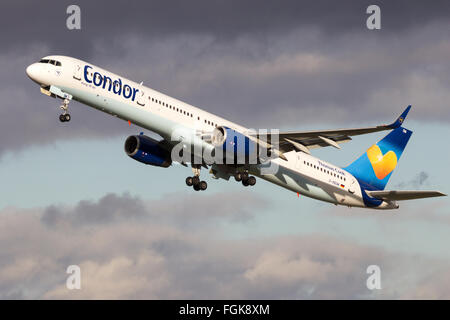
(45, 22)
(298, 79)
(434, 286)
(156, 259)
(172, 208)
(417, 181)
(110, 208)
(266, 65)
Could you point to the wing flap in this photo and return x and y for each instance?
(404, 194)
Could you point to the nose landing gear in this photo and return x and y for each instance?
(65, 116)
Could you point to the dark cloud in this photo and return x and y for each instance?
(110, 208)
(183, 210)
(45, 22)
(265, 64)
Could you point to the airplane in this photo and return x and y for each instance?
(194, 133)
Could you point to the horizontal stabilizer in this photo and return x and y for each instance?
(404, 194)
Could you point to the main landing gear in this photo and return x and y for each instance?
(65, 116)
(245, 178)
(195, 180)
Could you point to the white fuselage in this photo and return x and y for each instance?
(176, 120)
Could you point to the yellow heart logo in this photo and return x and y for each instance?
(382, 164)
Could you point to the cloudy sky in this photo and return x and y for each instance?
(69, 194)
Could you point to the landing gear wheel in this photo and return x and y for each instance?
(189, 181)
(251, 181)
(62, 118)
(67, 117)
(244, 176)
(238, 176)
(203, 185)
(245, 183)
(196, 187)
(195, 180)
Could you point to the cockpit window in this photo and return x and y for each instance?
(53, 62)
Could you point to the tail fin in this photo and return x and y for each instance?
(374, 168)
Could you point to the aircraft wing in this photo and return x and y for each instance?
(305, 140)
(404, 194)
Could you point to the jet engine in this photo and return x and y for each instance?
(147, 150)
(234, 146)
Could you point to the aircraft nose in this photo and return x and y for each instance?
(32, 71)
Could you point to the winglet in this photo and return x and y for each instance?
(397, 123)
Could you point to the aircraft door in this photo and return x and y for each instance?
(298, 161)
(140, 97)
(352, 187)
(77, 72)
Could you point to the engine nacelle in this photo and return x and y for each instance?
(235, 146)
(147, 150)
